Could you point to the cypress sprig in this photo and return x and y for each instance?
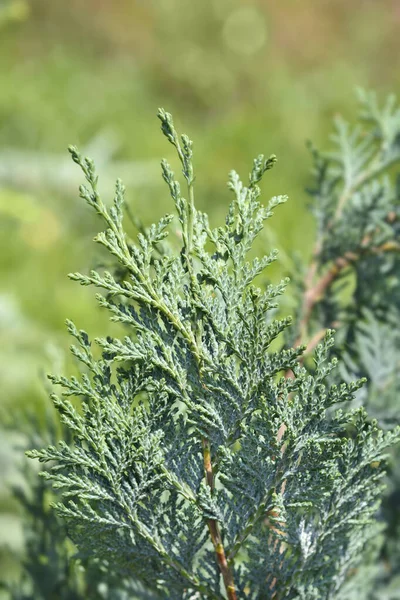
(196, 467)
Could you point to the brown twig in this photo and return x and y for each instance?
(315, 291)
(214, 529)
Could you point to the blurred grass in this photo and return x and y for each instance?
(241, 77)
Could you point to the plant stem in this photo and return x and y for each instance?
(315, 291)
(214, 529)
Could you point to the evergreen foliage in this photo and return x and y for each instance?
(352, 283)
(356, 206)
(201, 462)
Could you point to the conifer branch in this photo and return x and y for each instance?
(214, 529)
(314, 291)
(187, 436)
(185, 155)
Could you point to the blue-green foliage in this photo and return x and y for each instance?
(353, 284)
(355, 199)
(298, 475)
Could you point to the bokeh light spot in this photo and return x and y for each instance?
(245, 31)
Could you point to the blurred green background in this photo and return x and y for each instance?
(240, 77)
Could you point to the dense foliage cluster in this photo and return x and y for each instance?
(205, 459)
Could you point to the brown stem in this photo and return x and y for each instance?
(215, 533)
(315, 292)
